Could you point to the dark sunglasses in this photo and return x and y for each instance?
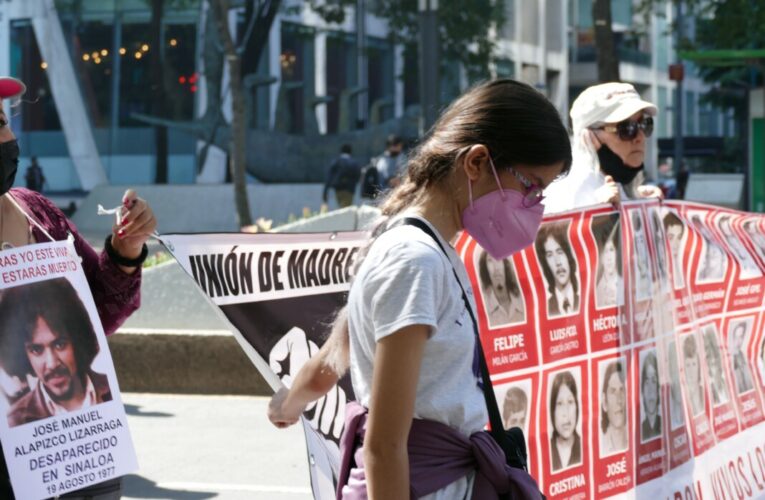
(628, 129)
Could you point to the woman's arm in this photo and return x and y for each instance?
(314, 379)
(394, 388)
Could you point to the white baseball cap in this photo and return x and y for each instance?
(11, 87)
(607, 103)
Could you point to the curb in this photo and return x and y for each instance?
(184, 363)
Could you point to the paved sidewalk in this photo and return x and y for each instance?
(222, 447)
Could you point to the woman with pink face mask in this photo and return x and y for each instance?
(412, 343)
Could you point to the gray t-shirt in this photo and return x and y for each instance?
(406, 280)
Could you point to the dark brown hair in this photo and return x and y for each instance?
(607, 228)
(558, 232)
(615, 367)
(513, 120)
(561, 379)
(57, 303)
(511, 280)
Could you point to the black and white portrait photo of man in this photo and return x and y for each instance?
(675, 231)
(609, 288)
(676, 411)
(502, 297)
(650, 396)
(749, 268)
(738, 339)
(641, 258)
(660, 244)
(713, 263)
(717, 379)
(694, 379)
(559, 269)
(757, 235)
(614, 437)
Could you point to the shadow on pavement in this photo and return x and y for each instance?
(136, 411)
(135, 486)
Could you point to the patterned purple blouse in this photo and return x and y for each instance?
(116, 294)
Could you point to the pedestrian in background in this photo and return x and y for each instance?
(343, 175)
(34, 176)
(611, 124)
(390, 165)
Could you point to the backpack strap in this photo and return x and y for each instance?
(497, 429)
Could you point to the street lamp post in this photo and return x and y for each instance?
(429, 64)
(362, 69)
(677, 106)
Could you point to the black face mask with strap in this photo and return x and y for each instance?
(611, 164)
(9, 164)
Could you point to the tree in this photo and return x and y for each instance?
(608, 59)
(157, 90)
(259, 18)
(465, 32)
(724, 25)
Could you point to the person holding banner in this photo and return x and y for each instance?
(114, 275)
(410, 323)
(611, 124)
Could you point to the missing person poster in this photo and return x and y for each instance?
(628, 344)
(62, 421)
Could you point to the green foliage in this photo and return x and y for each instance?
(464, 31)
(720, 25)
(156, 259)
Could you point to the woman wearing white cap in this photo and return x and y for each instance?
(611, 123)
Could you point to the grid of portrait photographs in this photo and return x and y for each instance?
(648, 329)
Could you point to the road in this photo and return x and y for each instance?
(222, 447)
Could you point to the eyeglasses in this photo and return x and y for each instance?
(533, 194)
(628, 129)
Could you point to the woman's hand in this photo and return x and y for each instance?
(281, 412)
(649, 191)
(609, 192)
(137, 225)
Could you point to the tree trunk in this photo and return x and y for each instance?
(220, 9)
(157, 91)
(605, 47)
(238, 141)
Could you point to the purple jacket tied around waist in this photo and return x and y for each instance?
(438, 456)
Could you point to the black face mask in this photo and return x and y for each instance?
(9, 164)
(611, 164)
